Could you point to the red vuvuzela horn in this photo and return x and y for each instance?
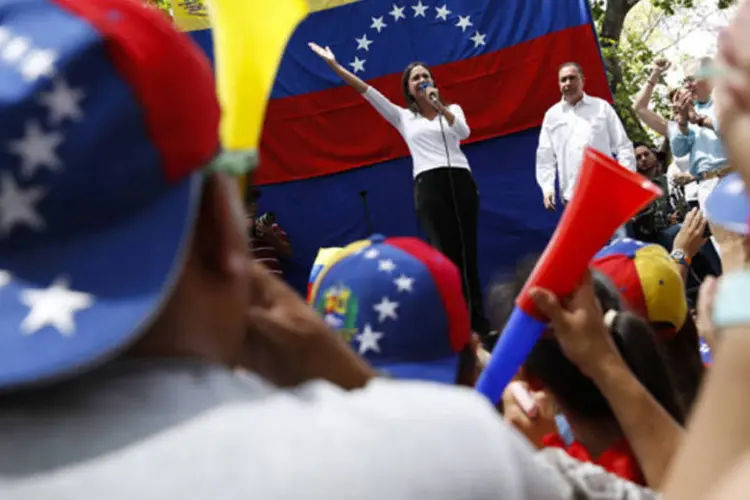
(607, 196)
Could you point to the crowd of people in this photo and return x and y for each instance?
(146, 353)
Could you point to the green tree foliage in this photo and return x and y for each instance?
(628, 55)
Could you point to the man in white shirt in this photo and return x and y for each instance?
(577, 121)
(127, 303)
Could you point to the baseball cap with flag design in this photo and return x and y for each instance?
(399, 304)
(109, 116)
(648, 279)
(728, 205)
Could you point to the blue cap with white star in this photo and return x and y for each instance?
(399, 304)
(728, 205)
(100, 177)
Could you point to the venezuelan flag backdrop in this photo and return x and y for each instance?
(323, 146)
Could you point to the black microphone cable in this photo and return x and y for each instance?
(462, 240)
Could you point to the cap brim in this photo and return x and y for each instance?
(444, 370)
(728, 205)
(129, 269)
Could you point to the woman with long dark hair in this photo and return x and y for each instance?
(445, 194)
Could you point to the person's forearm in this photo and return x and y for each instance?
(704, 121)
(652, 433)
(349, 77)
(644, 96)
(718, 432)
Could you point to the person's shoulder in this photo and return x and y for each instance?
(554, 109)
(554, 113)
(409, 430)
(452, 431)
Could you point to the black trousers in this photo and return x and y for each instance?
(447, 204)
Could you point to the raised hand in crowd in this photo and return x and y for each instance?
(682, 107)
(579, 327)
(582, 331)
(691, 236)
(660, 68)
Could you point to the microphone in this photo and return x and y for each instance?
(426, 85)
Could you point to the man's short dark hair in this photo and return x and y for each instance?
(571, 64)
(639, 144)
(661, 155)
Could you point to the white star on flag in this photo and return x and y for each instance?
(53, 306)
(397, 13)
(17, 205)
(15, 50)
(404, 283)
(368, 340)
(372, 254)
(420, 9)
(378, 24)
(39, 63)
(37, 149)
(358, 64)
(386, 309)
(4, 278)
(478, 39)
(442, 12)
(386, 265)
(363, 43)
(63, 102)
(464, 22)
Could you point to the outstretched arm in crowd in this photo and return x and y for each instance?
(579, 327)
(640, 106)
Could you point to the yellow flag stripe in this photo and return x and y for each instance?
(192, 15)
(249, 39)
(317, 5)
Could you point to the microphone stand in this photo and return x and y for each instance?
(366, 208)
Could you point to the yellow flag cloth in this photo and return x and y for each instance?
(249, 39)
(190, 15)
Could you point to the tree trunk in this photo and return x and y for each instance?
(614, 19)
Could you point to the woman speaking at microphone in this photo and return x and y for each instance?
(445, 194)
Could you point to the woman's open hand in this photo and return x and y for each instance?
(324, 53)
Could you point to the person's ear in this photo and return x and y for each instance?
(220, 240)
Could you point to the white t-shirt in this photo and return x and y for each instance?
(191, 431)
(424, 137)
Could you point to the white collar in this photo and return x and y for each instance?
(584, 100)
